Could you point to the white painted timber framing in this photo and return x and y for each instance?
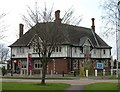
(65, 52)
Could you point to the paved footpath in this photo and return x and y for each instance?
(76, 84)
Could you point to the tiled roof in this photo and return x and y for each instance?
(70, 35)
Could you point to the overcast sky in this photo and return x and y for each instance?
(87, 8)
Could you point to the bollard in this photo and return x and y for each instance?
(103, 72)
(96, 73)
(86, 73)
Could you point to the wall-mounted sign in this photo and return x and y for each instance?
(100, 66)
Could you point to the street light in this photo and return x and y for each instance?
(117, 44)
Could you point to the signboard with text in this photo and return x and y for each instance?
(100, 66)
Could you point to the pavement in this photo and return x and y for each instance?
(76, 84)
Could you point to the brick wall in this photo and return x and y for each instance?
(58, 66)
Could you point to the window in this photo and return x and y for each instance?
(35, 50)
(56, 49)
(24, 64)
(37, 64)
(75, 64)
(60, 48)
(110, 52)
(86, 49)
(53, 49)
(20, 50)
(94, 51)
(81, 49)
(103, 51)
(75, 49)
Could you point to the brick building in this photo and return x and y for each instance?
(69, 55)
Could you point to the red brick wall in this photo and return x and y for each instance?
(60, 65)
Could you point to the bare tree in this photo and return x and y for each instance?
(110, 16)
(2, 27)
(50, 35)
(38, 15)
(69, 17)
(4, 52)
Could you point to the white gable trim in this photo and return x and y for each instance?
(95, 38)
(89, 42)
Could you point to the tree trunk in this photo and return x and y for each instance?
(44, 69)
(43, 77)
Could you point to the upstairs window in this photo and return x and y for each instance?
(110, 52)
(86, 49)
(81, 49)
(94, 51)
(35, 50)
(75, 49)
(104, 52)
(53, 49)
(60, 48)
(20, 50)
(57, 49)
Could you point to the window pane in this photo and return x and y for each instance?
(56, 49)
(41, 65)
(38, 65)
(103, 51)
(60, 49)
(35, 65)
(25, 66)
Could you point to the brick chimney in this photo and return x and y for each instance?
(21, 30)
(93, 24)
(57, 17)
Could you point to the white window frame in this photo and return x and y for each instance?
(38, 63)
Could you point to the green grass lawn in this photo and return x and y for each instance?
(102, 86)
(29, 77)
(33, 86)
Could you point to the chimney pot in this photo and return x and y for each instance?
(93, 24)
(21, 30)
(57, 16)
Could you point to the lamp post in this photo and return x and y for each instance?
(11, 64)
(117, 43)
